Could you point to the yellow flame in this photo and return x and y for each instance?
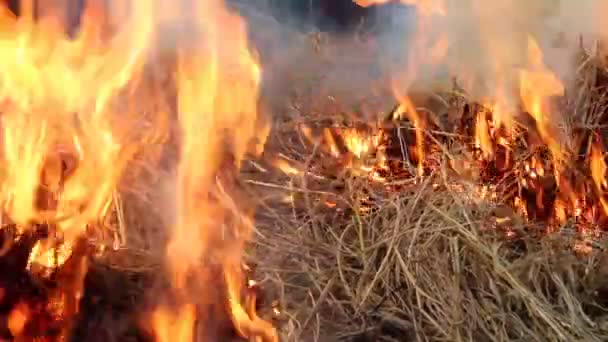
(60, 91)
(482, 136)
(171, 327)
(284, 166)
(359, 143)
(72, 120)
(218, 80)
(537, 83)
(598, 173)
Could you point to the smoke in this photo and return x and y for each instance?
(306, 69)
(487, 41)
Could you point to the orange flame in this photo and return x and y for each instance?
(218, 81)
(17, 319)
(179, 327)
(537, 83)
(407, 108)
(70, 125)
(60, 91)
(425, 6)
(482, 136)
(598, 173)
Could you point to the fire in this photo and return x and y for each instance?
(174, 327)
(76, 109)
(217, 130)
(17, 319)
(427, 51)
(511, 107)
(407, 108)
(598, 173)
(537, 84)
(57, 92)
(359, 143)
(285, 167)
(425, 6)
(66, 136)
(482, 136)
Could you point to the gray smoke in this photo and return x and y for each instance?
(489, 38)
(487, 44)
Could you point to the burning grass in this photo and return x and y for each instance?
(356, 243)
(445, 219)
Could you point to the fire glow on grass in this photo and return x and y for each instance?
(75, 112)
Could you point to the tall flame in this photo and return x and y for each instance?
(537, 84)
(72, 121)
(218, 81)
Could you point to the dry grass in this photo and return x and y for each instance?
(425, 267)
(426, 263)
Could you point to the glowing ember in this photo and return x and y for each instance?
(17, 319)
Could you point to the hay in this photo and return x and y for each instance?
(427, 263)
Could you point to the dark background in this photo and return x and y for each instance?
(324, 15)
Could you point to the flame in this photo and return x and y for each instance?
(171, 327)
(66, 135)
(427, 7)
(58, 91)
(359, 143)
(218, 80)
(407, 108)
(18, 318)
(516, 88)
(71, 123)
(46, 254)
(330, 142)
(426, 50)
(285, 167)
(482, 136)
(537, 83)
(598, 173)
(246, 321)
